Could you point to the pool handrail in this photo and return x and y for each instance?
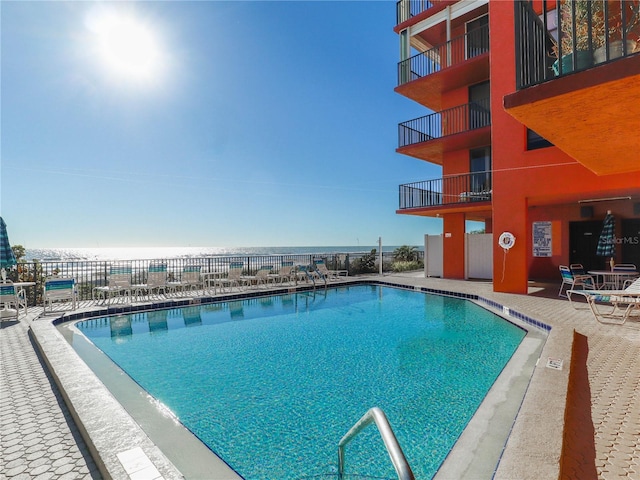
(394, 450)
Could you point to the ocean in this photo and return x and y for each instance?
(146, 253)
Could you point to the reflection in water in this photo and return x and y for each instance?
(191, 316)
(158, 320)
(120, 327)
(236, 310)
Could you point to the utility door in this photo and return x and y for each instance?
(583, 242)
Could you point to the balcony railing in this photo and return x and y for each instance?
(405, 9)
(455, 189)
(454, 120)
(453, 52)
(574, 36)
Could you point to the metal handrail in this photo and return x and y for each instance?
(453, 52)
(394, 450)
(454, 120)
(449, 190)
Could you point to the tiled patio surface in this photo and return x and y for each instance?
(38, 438)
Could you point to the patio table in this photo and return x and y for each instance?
(613, 279)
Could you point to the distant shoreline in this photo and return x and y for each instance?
(142, 253)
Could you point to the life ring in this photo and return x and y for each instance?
(507, 240)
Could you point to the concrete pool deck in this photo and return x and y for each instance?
(39, 438)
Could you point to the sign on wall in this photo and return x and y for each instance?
(541, 239)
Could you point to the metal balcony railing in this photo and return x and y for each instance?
(455, 189)
(573, 36)
(405, 9)
(453, 52)
(462, 118)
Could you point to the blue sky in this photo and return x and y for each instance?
(255, 124)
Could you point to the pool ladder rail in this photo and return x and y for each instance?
(394, 450)
(309, 270)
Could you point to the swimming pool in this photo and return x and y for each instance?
(271, 384)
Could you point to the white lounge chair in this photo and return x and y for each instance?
(11, 300)
(234, 277)
(286, 273)
(119, 282)
(262, 276)
(156, 282)
(57, 289)
(189, 279)
(329, 274)
(622, 301)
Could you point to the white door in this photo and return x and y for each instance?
(479, 255)
(433, 256)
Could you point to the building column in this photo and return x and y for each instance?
(453, 246)
(511, 269)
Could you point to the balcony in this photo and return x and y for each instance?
(461, 61)
(579, 80)
(405, 9)
(462, 127)
(469, 191)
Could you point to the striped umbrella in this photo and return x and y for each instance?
(7, 258)
(606, 243)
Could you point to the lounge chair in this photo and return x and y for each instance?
(11, 300)
(190, 278)
(329, 274)
(623, 301)
(286, 273)
(119, 282)
(156, 282)
(571, 281)
(57, 289)
(262, 276)
(234, 277)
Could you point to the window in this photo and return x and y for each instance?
(535, 141)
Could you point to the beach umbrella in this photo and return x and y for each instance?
(7, 258)
(606, 243)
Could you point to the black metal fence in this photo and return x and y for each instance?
(454, 120)
(453, 52)
(574, 35)
(90, 274)
(405, 9)
(474, 187)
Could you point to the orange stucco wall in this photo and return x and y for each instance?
(453, 245)
(532, 185)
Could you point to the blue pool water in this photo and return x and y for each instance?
(271, 384)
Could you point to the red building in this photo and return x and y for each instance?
(532, 109)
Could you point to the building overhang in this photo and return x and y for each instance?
(593, 115)
(433, 150)
(429, 89)
(475, 211)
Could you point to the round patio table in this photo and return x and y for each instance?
(613, 279)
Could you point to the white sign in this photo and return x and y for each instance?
(555, 363)
(541, 239)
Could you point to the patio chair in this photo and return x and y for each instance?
(262, 276)
(11, 300)
(119, 282)
(189, 279)
(572, 281)
(57, 289)
(624, 301)
(286, 272)
(329, 274)
(156, 281)
(234, 277)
